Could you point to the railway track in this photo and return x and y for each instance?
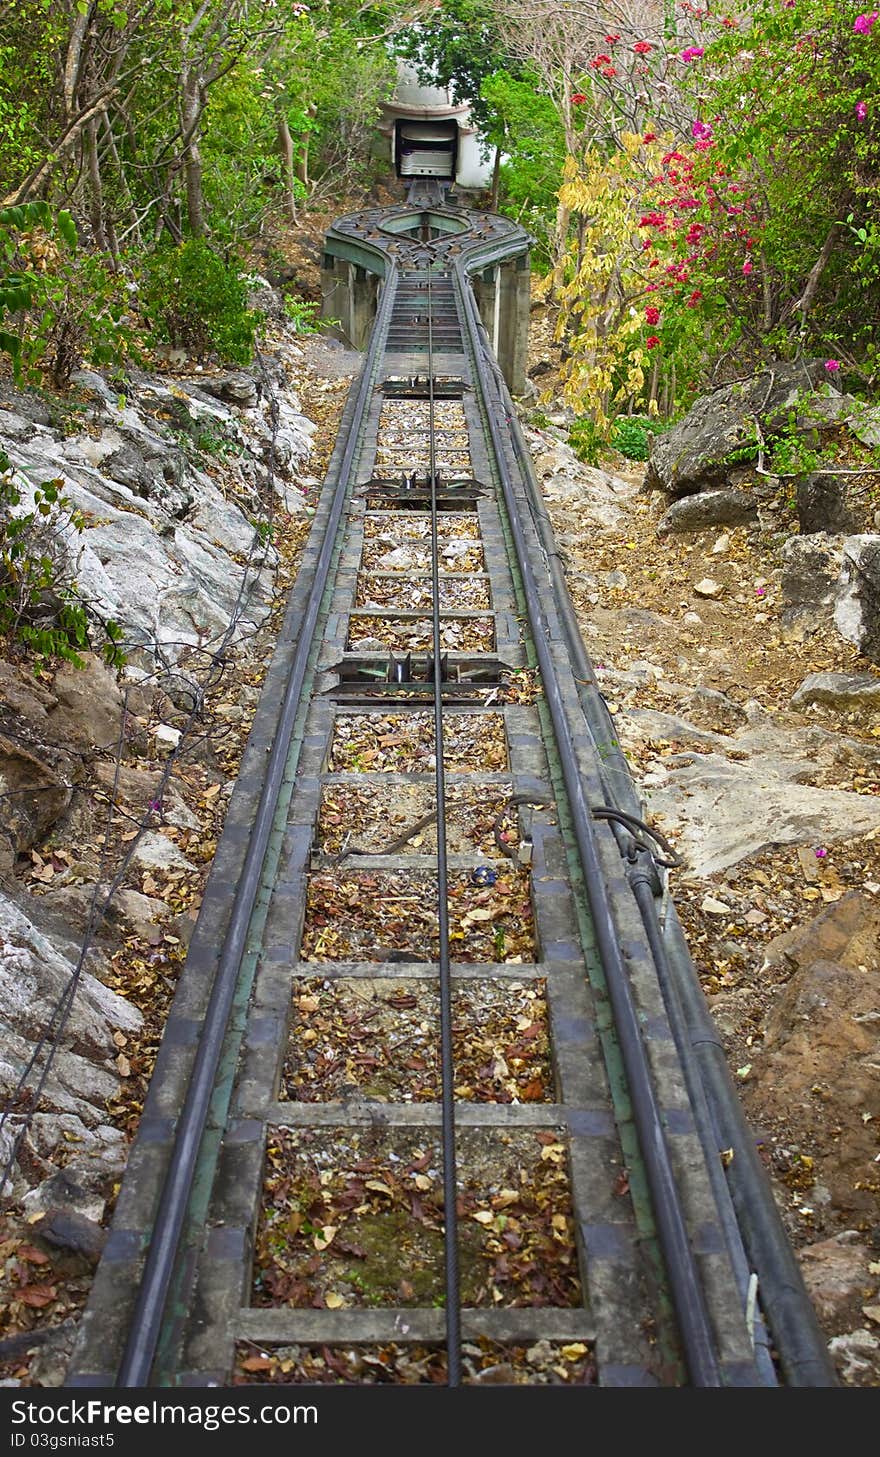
(438, 1099)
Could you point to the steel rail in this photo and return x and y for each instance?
(146, 1324)
(686, 1287)
(447, 1067)
(749, 1204)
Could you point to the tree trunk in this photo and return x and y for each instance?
(288, 173)
(96, 199)
(496, 180)
(191, 115)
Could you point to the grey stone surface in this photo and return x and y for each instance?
(695, 454)
(847, 692)
(822, 503)
(857, 608)
(726, 507)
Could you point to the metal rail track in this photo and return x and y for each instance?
(652, 1264)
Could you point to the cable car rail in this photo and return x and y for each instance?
(435, 836)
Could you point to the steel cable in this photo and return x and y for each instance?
(450, 1193)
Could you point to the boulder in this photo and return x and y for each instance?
(89, 703)
(709, 508)
(234, 388)
(857, 693)
(712, 444)
(36, 788)
(857, 608)
(808, 589)
(847, 932)
(837, 1274)
(823, 504)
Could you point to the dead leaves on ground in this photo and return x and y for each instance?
(354, 1219)
(382, 1039)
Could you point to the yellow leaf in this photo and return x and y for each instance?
(334, 1301)
(325, 1237)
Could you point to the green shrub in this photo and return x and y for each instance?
(305, 315)
(197, 302)
(587, 440)
(40, 606)
(630, 435)
(58, 307)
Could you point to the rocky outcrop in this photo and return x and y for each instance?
(169, 479)
(832, 583)
(714, 443)
(857, 609)
(709, 508)
(855, 693)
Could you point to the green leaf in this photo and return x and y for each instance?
(67, 229)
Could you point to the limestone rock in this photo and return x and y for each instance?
(837, 1275)
(810, 575)
(726, 507)
(89, 703)
(847, 692)
(708, 587)
(723, 810)
(235, 388)
(34, 973)
(695, 455)
(857, 609)
(822, 504)
(36, 788)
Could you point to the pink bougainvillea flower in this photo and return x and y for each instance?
(692, 53)
(652, 341)
(612, 39)
(864, 23)
(832, 365)
(642, 48)
(701, 130)
(578, 98)
(652, 315)
(820, 852)
(649, 137)
(694, 299)
(861, 110)
(748, 266)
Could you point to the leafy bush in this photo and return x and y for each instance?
(40, 606)
(630, 435)
(587, 440)
(304, 314)
(197, 302)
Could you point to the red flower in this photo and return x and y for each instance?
(642, 48)
(649, 137)
(578, 98)
(611, 39)
(652, 341)
(652, 315)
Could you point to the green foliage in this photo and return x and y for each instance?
(304, 314)
(630, 435)
(197, 302)
(65, 305)
(525, 125)
(587, 440)
(40, 606)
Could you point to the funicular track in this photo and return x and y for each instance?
(435, 830)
